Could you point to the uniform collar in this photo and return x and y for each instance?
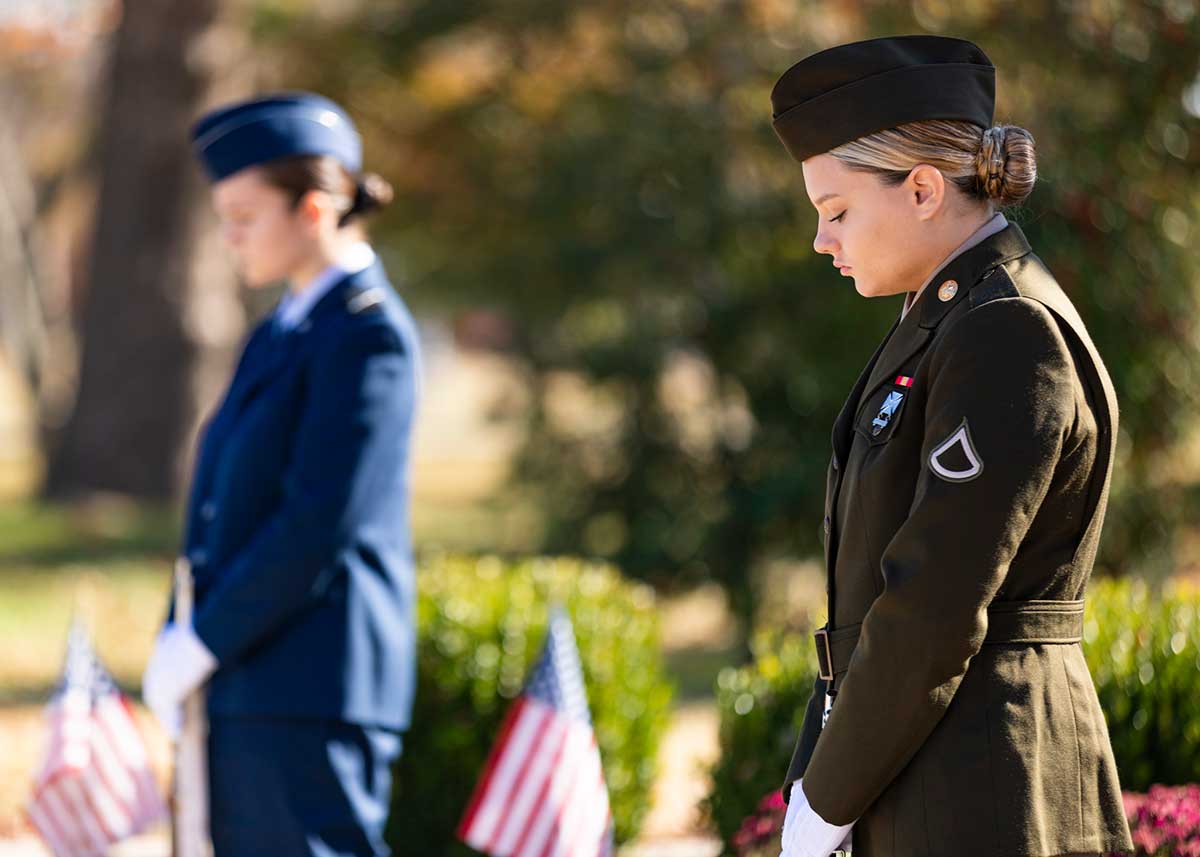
(294, 308)
(967, 269)
(995, 224)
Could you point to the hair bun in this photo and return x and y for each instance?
(1006, 165)
(373, 192)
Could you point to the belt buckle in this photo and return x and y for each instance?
(825, 666)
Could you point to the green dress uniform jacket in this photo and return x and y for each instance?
(970, 474)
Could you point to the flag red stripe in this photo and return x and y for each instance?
(559, 808)
(565, 805)
(76, 832)
(485, 781)
(116, 780)
(523, 801)
(99, 829)
(493, 809)
(115, 820)
(57, 816)
(76, 818)
(576, 801)
(120, 726)
(540, 803)
(545, 721)
(36, 816)
(579, 831)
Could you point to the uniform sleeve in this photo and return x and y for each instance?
(807, 741)
(1000, 405)
(350, 436)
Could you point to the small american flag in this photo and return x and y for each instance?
(95, 787)
(542, 791)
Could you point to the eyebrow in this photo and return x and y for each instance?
(825, 197)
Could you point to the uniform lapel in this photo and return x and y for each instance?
(844, 424)
(270, 360)
(908, 338)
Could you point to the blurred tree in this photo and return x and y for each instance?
(605, 174)
(141, 345)
(22, 323)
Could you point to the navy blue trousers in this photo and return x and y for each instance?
(299, 787)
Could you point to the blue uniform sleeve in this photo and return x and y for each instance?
(349, 452)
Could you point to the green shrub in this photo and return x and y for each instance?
(761, 708)
(1144, 655)
(481, 624)
(1143, 652)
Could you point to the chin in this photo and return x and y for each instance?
(256, 279)
(865, 289)
(871, 290)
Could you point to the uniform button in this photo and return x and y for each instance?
(836, 464)
(198, 557)
(828, 525)
(208, 511)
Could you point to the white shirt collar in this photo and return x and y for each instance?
(294, 307)
(996, 224)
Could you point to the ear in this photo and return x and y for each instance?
(310, 208)
(926, 187)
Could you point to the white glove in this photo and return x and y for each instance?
(179, 665)
(792, 807)
(806, 834)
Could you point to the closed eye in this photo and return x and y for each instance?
(836, 219)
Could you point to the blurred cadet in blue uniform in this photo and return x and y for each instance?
(297, 525)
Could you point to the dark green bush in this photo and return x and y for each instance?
(761, 708)
(1144, 655)
(481, 624)
(1143, 652)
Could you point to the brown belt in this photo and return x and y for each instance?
(1029, 622)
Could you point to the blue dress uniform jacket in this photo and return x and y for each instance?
(297, 526)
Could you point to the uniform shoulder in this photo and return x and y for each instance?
(1000, 316)
(365, 322)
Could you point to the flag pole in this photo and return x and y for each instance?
(191, 836)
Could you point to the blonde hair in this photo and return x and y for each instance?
(998, 164)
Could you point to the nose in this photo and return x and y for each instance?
(824, 242)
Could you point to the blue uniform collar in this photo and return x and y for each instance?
(295, 307)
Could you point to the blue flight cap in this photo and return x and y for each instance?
(265, 128)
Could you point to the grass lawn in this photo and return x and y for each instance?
(108, 565)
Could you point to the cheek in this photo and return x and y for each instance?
(878, 247)
(274, 245)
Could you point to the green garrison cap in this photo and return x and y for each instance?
(850, 91)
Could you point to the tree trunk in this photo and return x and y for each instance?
(143, 334)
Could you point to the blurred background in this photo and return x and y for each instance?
(633, 355)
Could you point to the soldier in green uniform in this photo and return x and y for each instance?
(971, 463)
